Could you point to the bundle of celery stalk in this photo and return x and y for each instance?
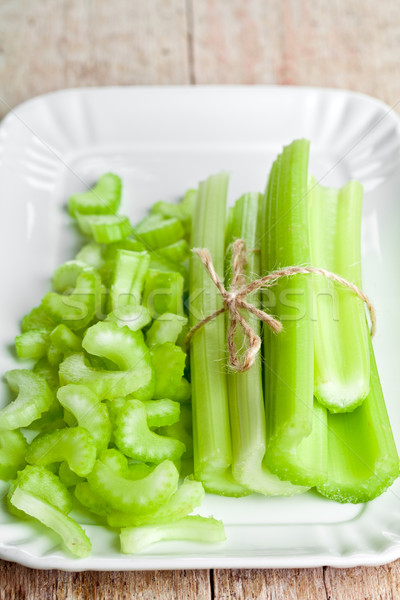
(109, 397)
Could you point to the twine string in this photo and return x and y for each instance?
(234, 299)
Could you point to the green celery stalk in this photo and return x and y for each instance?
(342, 370)
(363, 460)
(296, 448)
(245, 392)
(211, 424)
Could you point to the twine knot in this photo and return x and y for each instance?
(234, 300)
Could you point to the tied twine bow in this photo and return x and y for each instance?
(234, 299)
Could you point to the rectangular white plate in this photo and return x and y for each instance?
(162, 141)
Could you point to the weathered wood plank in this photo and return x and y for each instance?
(54, 44)
(20, 583)
(372, 583)
(275, 584)
(342, 43)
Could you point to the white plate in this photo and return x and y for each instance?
(162, 141)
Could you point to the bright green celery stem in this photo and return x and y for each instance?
(342, 370)
(211, 425)
(245, 391)
(363, 460)
(296, 433)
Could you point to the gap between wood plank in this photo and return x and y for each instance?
(190, 41)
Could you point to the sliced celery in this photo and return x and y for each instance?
(363, 460)
(246, 401)
(193, 528)
(183, 210)
(103, 198)
(211, 424)
(128, 278)
(166, 328)
(91, 254)
(163, 292)
(13, 448)
(32, 344)
(176, 252)
(105, 229)
(295, 434)
(34, 398)
(156, 231)
(342, 371)
(133, 317)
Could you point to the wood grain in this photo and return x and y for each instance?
(52, 44)
(20, 583)
(351, 44)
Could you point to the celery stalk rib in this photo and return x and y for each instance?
(246, 399)
(342, 369)
(211, 426)
(296, 432)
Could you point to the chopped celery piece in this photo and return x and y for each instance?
(134, 317)
(37, 318)
(181, 430)
(66, 275)
(91, 254)
(187, 497)
(193, 528)
(48, 372)
(141, 496)
(182, 391)
(67, 476)
(342, 370)
(128, 278)
(362, 456)
(105, 229)
(108, 384)
(103, 198)
(134, 438)
(166, 328)
(163, 292)
(75, 445)
(177, 252)
(45, 485)
(183, 210)
(295, 434)
(77, 309)
(162, 412)
(169, 365)
(13, 448)
(128, 351)
(88, 411)
(161, 263)
(34, 398)
(156, 231)
(211, 424)
(65, 340)
(245, 392)
(92, 501)
(72, 534)
(110, 251)
(32, 344)
(139, 471)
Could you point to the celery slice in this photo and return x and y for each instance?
(155, 231)
(91, 254)
(32, 344)
(34, 398)
(212, 444)
(342, 370)
(193, 528)
(133, 317)
(105, 229)
(128, 278)
(13, 448)
(246, 402)
(166, 328)
(163, 292)
(363, 460)
(176, 252)
(295, 434)
(103, 198)
(183, 210)
(187, 497)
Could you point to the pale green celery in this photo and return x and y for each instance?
(296, 445)
(245, 392)
(163, 292)
(362, 456)
(103, 198)
(342, 370)
(72, 534)
(182, 211)
(32, 344)
(176, 252)
(105, 229)
(88, 411)
(91, 254)
(133, 317)
(13, 448)
(166, 328)
(212, 445)
(161, 413)
(156, 231)
(128, 278)
(187, 497)
(193, 528)
(34, 398)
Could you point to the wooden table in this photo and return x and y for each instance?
(51, 44)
